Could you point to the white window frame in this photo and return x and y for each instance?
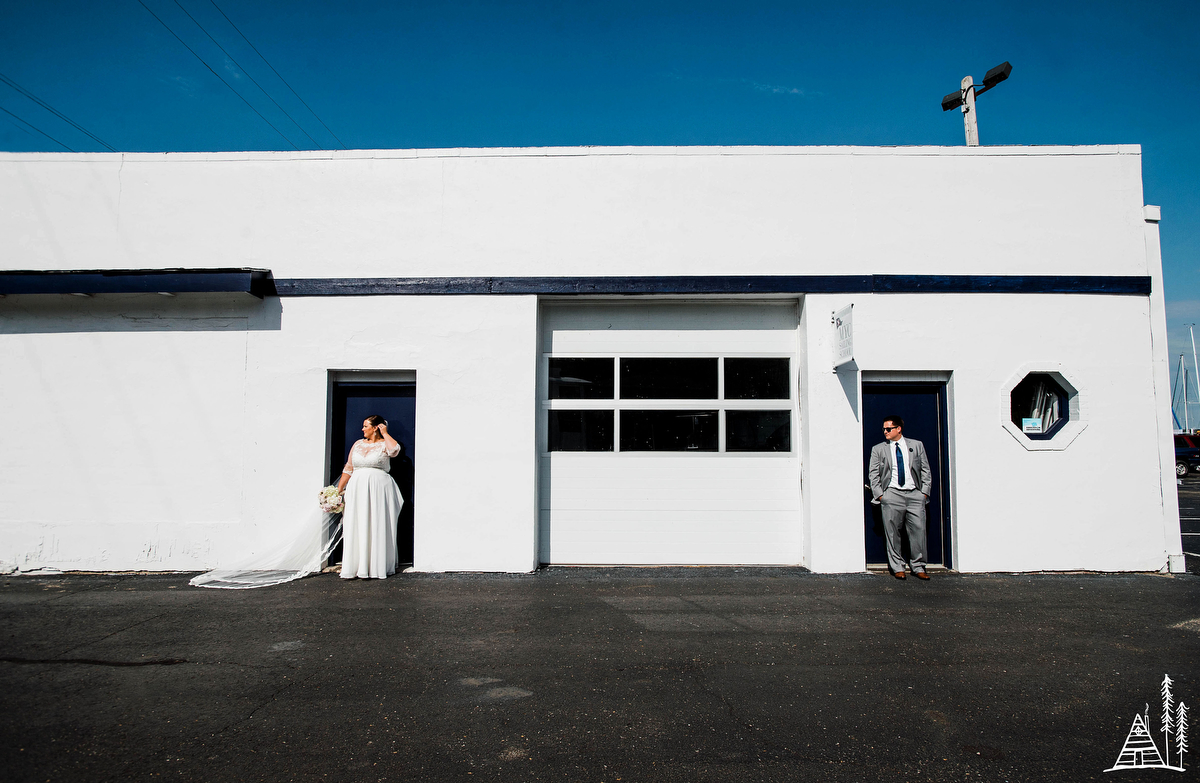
(1076, 405)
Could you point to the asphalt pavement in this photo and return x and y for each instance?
(589, 675)
(673, 674)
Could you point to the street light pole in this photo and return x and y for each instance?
(970, 124)
(1194, 367)
(1181, 377)
(965, 98)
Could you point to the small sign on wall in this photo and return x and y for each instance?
(1031, 426)
(843, 336)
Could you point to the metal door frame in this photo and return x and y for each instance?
(942, 480)
(367, 378)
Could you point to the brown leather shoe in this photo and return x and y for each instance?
(899, 575)
(920, 575)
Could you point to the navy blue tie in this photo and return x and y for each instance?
(900, 464)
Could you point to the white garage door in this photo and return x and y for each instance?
(669, 434)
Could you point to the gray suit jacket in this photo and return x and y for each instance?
(879, 471)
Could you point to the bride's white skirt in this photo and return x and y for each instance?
(373, 503)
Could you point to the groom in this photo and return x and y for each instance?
(901, 481)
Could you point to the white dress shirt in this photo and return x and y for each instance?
(908, 475)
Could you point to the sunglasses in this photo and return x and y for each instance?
(889, 429)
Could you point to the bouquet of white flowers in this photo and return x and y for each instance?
(331, 501)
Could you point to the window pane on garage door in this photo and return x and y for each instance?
(669, 379)
(669, 431)
(581, 379)
(580, 430)
(758, 430)
(756, 379)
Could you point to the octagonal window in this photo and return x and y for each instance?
(1040, 406)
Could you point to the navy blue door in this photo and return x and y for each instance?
(396, 402)
(923, 408)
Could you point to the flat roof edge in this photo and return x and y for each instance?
(585, 151)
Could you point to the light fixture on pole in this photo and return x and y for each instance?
(965, 97)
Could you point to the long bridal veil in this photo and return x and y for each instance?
(311, 546)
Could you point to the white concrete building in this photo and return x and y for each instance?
(597, 355)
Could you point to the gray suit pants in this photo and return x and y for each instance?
(905, 509)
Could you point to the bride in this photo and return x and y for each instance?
(373, 503)
(372, 506)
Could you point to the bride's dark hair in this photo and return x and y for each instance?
(375, 421)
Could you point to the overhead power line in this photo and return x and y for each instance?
(248, 76)
(214, 73)
(272, 67)
(39, 130)
(55, 112)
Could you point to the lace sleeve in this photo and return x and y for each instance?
(392, 452)
(349, 469)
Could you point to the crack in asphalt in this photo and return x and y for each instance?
(93, 661)
(264, 703)
(114, 633)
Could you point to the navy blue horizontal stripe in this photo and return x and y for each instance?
(574, 285)
(1010, 284)
(766, 284)
(257, 282)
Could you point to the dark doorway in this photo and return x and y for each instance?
(923, 408)
(354, 401)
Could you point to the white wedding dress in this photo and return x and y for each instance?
(373, 503)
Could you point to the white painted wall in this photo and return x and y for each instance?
(1162, 391)
(137, 439)
(145, 432)
(120, 420)
(1097, 505)
(571, 211)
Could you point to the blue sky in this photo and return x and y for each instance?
(448, 74)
